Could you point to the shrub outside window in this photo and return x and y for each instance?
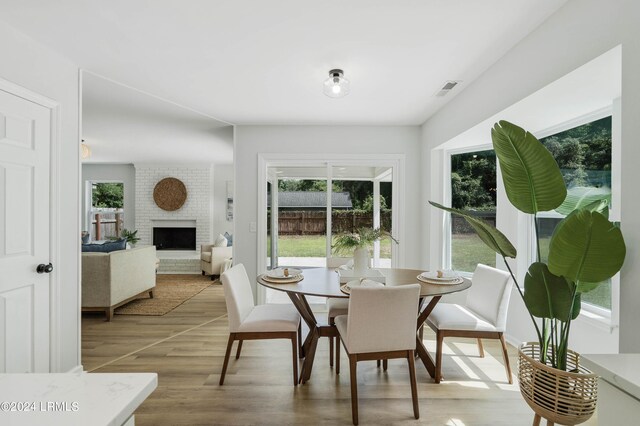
(473, 188)
(584, 156)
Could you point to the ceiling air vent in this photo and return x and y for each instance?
(447, 88)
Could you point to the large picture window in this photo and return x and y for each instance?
(584, 156)
(473, 188)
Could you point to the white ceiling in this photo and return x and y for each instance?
(257, 61)
(123, 125)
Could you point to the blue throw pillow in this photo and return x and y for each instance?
(229, 238)
(107, 247)
(86, 238)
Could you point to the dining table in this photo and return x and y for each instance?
(325, 282)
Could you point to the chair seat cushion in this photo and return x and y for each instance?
(337, 306)
(206, 256)
(341, 325)
(271, 317)
(449, 316)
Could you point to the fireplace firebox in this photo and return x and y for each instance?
(167, 238)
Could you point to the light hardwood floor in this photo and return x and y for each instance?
(186, 348)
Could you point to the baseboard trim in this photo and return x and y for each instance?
(76, 370)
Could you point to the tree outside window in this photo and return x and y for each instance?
(583, 154)
(473, 188)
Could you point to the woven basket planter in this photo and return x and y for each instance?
(563, 397)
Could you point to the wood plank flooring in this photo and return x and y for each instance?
(186, 348)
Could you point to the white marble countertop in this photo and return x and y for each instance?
(620, 370)
(72, 398)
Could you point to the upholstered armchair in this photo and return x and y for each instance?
(213, 258)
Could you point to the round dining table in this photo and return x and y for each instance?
(325, 282)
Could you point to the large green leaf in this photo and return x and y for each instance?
(531, 176)
(585, 246)
(597, 199)
(547, 295)
(488, 233)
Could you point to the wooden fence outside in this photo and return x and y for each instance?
(459, 225)
(305, 222)
(107, 224)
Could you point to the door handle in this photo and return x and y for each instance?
(44, 269)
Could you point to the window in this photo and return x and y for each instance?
(584, 156)
(106, 213)
(473, 188)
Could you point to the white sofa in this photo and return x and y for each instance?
(213, 258)
(112, 279)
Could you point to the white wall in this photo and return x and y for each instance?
(252, 140)
(124, 173)
(221, 175)
(33, 66)
(580, 31)
(198, 206)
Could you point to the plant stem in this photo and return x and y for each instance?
(513, 277)
(535, 223)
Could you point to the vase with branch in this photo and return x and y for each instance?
(360, 243)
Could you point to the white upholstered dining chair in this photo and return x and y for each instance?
(336, 306)
(381, 325)
(250, 322)
(482, 316)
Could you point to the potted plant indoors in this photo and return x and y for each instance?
(360, 242)
(585, 250)
(131, 236)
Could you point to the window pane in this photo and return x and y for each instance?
(601, 296)
(583, 154)
(473, 188)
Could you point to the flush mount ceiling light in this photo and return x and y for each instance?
(336, 86)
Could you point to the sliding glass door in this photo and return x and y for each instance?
(307, 206)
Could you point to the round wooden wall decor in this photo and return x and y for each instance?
(170, 194)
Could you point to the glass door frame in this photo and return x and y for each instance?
(395, 162)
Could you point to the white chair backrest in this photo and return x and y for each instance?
(489, 295)
(382, 319)
(238, 295)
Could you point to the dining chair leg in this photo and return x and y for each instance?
(226, 357)
(439, 339)
(294, 351)
(536, 420)
(239, 349)
(414, 386)
(353, 365)
(300, 353)
(337, 355)
(385, 364)
(505, 355)
(331, 351)
(480, 348)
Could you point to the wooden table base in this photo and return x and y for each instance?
(421, 350)
(308, 350)
(315, 332)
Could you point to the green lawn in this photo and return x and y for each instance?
(468, 250)
(315, 246)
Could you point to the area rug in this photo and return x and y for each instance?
(171, 291)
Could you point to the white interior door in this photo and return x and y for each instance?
(25, 137)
